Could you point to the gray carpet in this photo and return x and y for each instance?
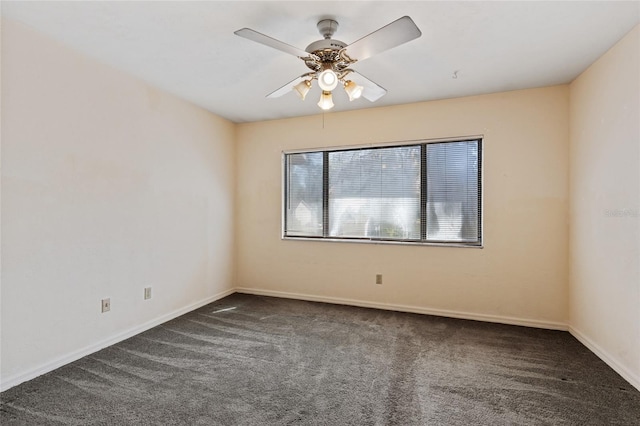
(250, 360)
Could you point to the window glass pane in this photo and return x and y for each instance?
(304, 194)
(375, 193)
(452, 191)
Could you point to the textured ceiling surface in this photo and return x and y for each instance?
(466, 48)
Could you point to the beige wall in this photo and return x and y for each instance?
(605, 207)
(521, 274)
(108, 186)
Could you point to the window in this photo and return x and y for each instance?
(424, 192)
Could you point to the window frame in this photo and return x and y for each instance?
(362, 240)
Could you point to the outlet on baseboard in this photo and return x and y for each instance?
(147, 293)
(106, 305)
(379, 279)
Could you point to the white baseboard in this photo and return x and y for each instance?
(611, 361)
(12, 381)
(413, 309)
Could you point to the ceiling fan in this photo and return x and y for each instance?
(329, 60)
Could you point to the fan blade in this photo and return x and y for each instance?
(394, 34)
(372, 91)
(286, 88)
(271, 42)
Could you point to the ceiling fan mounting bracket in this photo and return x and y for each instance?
(327, 27)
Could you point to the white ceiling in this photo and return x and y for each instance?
(189, 49)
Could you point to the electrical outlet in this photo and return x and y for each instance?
(147, 293)
(379, 279)
(106, 305)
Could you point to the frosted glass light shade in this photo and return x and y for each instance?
(302, 88)
(353, 90)
(326, 101)
(327, 80)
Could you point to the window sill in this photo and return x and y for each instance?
(385, 242)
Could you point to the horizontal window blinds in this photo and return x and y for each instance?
(453, 188)
(303, 210)
(426, 192)
(375, 193)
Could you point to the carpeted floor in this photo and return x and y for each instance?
(250, 360)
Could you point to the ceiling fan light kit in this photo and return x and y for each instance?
(326, 101)
(302, 88)
(353, 90)
(327, 80)
(329, 59)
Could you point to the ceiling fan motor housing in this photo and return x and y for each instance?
(326, 44)
(326, 50)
